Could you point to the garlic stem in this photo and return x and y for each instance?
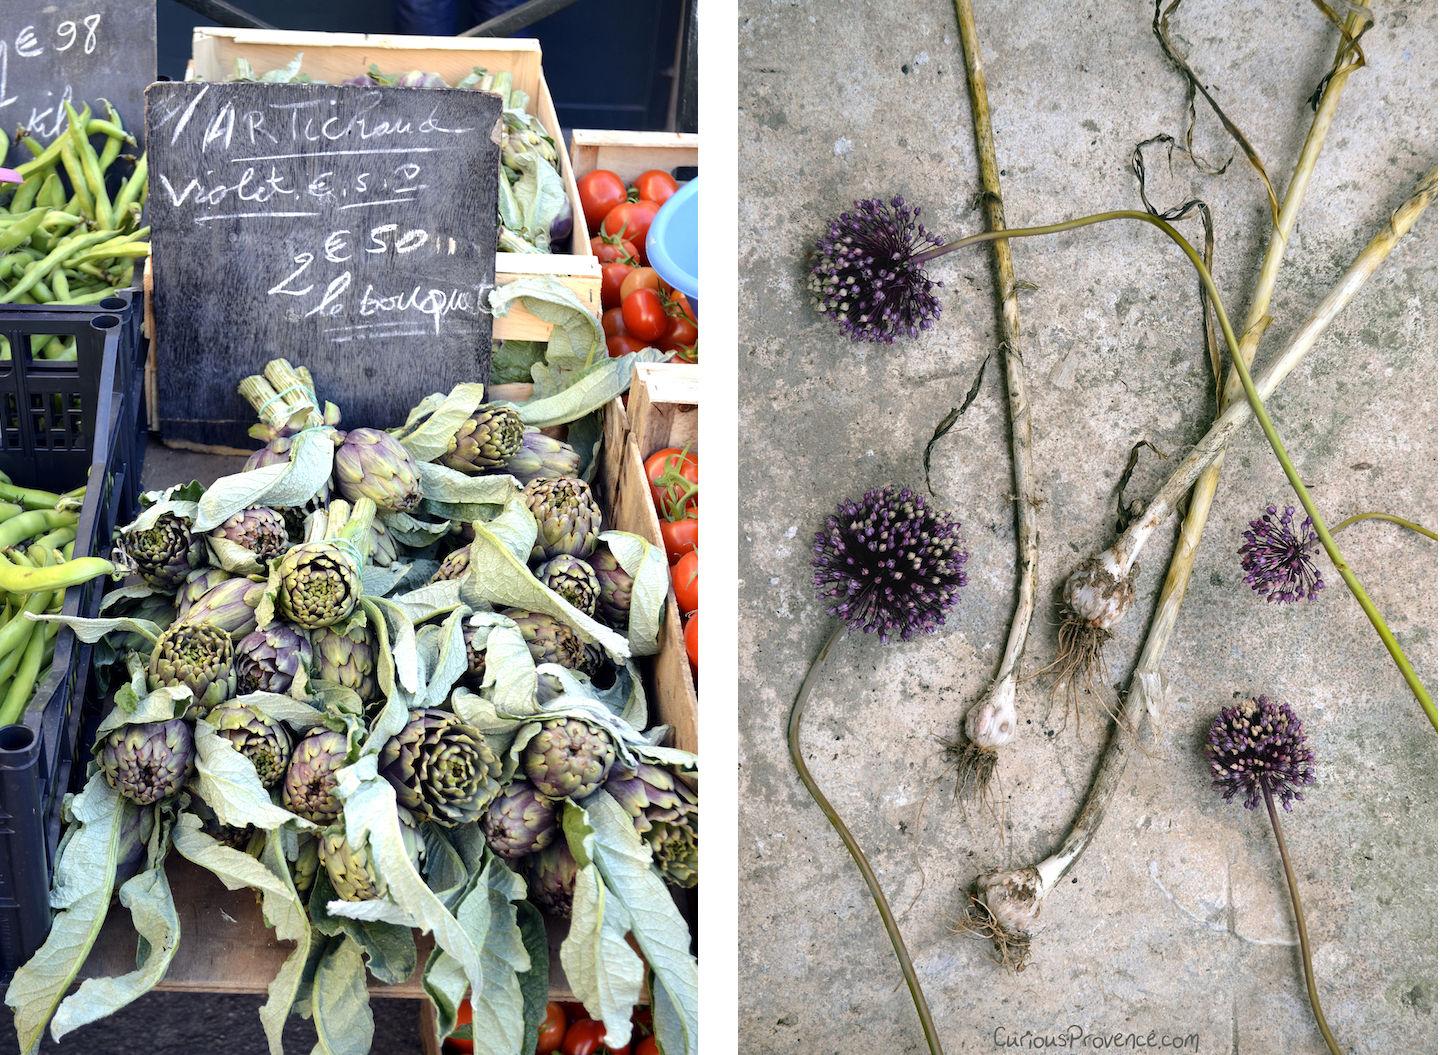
(1236, 413)
(991, 723)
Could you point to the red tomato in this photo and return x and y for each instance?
(463, 1017)
(680, 333)
(631, 220)
(613, 322)
(640, 1018)
(600, 192)
(610, 250)
(612, 277)
(680, 536)
(552, 1030)
(692, 649)
(674, 476)
(685, 577)
(644, 314)
(656, 186)
(622, 344)
(587, 1037)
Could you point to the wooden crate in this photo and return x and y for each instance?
(335, 56)
(226, 946)
(663, 412)
(627, 154)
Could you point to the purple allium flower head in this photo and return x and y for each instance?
(864, 273)
(1259, 745)
(1278, 560)
(889, 564)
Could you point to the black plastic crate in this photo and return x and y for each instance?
(62, 422)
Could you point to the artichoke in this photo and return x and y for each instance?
(306, 864)
(552, 879)
(383, 549)
(319, 585)
(475, 636)
(666, 813)
(349, 870)
(567, 518)
(262, 740)
(541, 457)
(573, 580)
(453, 566)
(198, 656)
(274, 453)
(259, 529)
(550, 640)
(196, 585)
(242, 839)
(373, 464)
(150, 762)
(345, 655)
(616, 585)
(269, 660)
(309, 789)
(441, 768)
(162, 554)
(135, 832)
(487, 439)
(568, 758)
(520, 822)
(230, 606)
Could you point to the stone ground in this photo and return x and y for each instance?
(1177, 919)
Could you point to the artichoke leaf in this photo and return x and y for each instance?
(431, 426)
(297, 714)
(180, 500)
(445, 488)
(566, 397)
(227, 782)
(655, 923)
(152, 910)
(645, 563)
(340, 1002)
(132, 708)
(576, 338)
(284, 484)
(85, 872)
(92, 630)
(285, 913)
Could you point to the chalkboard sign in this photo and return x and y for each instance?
(81, 52)
(349, 229)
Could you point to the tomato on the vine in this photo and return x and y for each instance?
(655, 185)
(692, 649)
(644, 315)
(600, 191)
(552, 1029)
(623, 344)
(609, 249)
(612, 277)
(680, 333)
(685, 577)
(631, 220)
(680, 536)
(674, 476)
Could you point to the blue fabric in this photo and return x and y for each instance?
(441, 18)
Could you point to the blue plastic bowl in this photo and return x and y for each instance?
(673, 244)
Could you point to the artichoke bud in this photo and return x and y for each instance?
(150, 762)
(573, 580)
(263, 741)
(309, 789)
(568, 758)
(454, 566)
(487, 439)
(344, 655)
(441, 768)
(567, 517)
(350, 871)
(373, 464)
(197, 655)
(272, 660)
(196, 585)
(162, 554)
(616, 585)
(549, 640)
(230, 606)
(320, 578)
(259, 531)
(552, 874)
(520, 822)
(542, 457)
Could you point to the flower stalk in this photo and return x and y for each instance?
(992, 722)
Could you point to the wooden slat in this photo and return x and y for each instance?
(225, 946)
(665, 406)
(627, 154)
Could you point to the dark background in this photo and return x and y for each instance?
(609, 63)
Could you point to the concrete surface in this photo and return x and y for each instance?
(1177, 919)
